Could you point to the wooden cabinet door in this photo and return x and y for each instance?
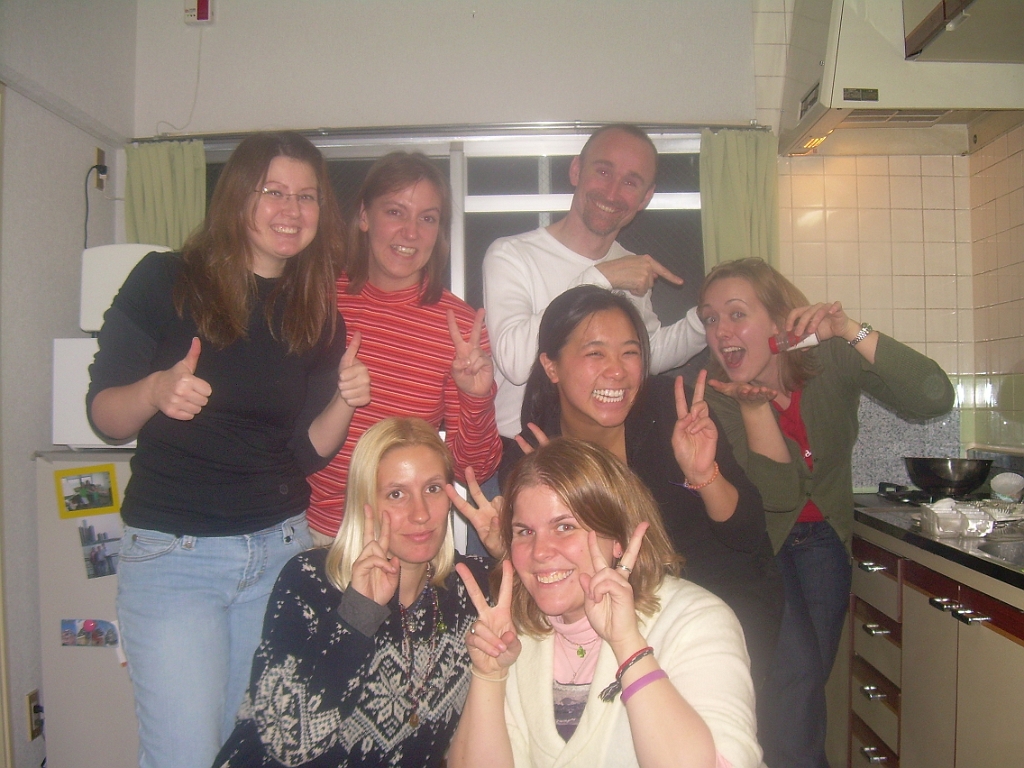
(876, 577)
(990, 683)
(929, 669)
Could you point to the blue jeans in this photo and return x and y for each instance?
(816, 580)
(191, 613)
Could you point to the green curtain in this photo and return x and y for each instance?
(165, 191)
(739, 210)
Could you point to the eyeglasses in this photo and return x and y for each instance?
(277, 197)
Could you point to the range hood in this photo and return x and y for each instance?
(850, 89)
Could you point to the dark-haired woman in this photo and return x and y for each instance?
(590, 382)
(426, 349)
(792, 421)
(228, 361)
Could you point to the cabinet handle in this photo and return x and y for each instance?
(867, 565)
(967, 616)
(943, 603)
(876, 630)
(871, 753)
(872, 693)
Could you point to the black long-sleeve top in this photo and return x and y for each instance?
(241, 464)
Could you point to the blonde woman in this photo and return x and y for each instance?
(363, 661)
(791, 420)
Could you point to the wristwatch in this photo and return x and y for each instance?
(862, 334)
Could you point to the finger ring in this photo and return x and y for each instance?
(625, 568)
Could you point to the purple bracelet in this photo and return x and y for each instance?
(642, 682)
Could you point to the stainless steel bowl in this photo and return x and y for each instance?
(951, 477)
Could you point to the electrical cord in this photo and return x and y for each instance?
(195, 91)
(102, 171)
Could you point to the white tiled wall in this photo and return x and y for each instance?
(997, 196)
(889, 237)
(995, 396)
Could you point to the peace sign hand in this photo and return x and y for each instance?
(608, 595)
(538, 434)
(374, 573)
(695, 436)
(492, 640)
(472, 369)
(483, 517)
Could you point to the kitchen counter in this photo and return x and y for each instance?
(893, 528)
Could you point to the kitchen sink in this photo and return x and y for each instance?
(1009, 553)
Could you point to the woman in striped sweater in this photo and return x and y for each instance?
(426, 349)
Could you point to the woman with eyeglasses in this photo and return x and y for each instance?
(426, 349)
(228, 362)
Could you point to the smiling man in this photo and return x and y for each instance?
(613, 177)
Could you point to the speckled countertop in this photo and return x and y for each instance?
(898, 523)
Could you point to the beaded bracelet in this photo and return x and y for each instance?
(488, 678)
(642, 682)
(610, 692)
(705, 484)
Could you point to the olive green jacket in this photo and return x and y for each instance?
(909, 383)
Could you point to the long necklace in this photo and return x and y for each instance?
(414, 691)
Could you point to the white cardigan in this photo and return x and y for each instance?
(697, 641)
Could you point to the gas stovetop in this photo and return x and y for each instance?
(912, 497)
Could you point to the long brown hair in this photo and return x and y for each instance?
(779, 297)
(217, 285)
(604, 496)
(393, 173)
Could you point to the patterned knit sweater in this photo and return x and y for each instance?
(323, 693)
(409, 351)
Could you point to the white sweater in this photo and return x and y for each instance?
(521, 276)
(697, 641)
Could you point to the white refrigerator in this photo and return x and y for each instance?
(87, 696)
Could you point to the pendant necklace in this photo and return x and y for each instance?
(581, 653)
(414, 691)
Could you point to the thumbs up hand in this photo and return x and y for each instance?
(353, 376)
(178, 392)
